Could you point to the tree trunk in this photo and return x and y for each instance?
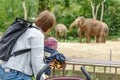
(102, 10)
(93, 8)
(25, 11)
(97, 8)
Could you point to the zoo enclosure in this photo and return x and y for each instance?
(99, 70)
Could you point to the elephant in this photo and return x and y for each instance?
(91, 27)
(61, 31)
(78, 31)
(106, 31)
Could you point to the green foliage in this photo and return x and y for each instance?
(65, 11)
(69, 73)
(11, 9)
(33, 78)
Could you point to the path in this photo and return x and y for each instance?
(95, 51)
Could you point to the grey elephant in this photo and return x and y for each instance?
(61, 31)
(91, 27)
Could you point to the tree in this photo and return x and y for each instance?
(43, 5)
(96, 8)
(102, 10)
(24, 8)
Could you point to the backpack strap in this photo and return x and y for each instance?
(27, 23)
(36, 27)
(21, 52)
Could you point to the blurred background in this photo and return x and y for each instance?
(66, 11)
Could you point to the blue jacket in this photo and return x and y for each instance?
(54, 54)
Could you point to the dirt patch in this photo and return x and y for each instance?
(94, 51)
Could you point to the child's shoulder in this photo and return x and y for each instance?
(49, 51)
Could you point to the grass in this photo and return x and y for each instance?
(76, 39)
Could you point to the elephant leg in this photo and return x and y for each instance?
(88, 39)
(56, 34)
(81, 36)
(65, 35)
(103, 39)
(100, 39)
(60, 37)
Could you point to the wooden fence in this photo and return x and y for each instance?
(98, 69)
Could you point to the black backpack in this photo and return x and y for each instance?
(9, 38)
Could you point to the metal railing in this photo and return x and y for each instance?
(98, 69)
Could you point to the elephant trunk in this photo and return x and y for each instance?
(71, 26)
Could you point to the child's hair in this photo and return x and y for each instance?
(51, 42)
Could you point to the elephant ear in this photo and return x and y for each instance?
(81, 21)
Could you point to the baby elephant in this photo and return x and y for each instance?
(61, 31)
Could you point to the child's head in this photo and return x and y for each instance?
(51, 42)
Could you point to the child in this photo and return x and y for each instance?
(52, 56)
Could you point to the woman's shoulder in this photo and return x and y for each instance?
(34, 31)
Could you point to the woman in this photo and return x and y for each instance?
(23, 66)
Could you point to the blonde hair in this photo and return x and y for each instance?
(46, 20)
